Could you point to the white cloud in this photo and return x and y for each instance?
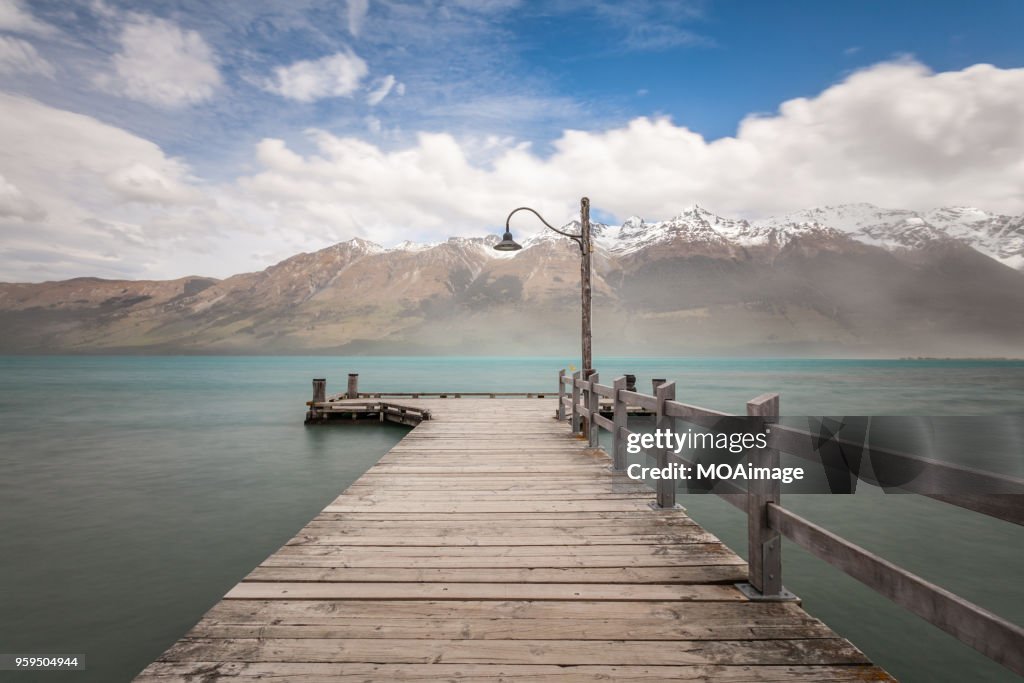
(161, 64)
(14, 204)
(19, 56)
(16, 19)
(381, 90)
(357, 10)
(68, 178)
(337, 75)
(895, 135)
(142, 183)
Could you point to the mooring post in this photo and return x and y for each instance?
(575, 403)
(655, 383)
(619, 418)
(630, 382)
(319, 390)
(561, 394)
(353, 385)
(666, 391)
(764, 544)
(593, 407)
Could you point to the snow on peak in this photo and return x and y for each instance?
(361, 245)
(998, 236)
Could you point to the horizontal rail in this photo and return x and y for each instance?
(686, 411)
(603, 390)
(637, 399)
(1008, 507)
(1003, 494)
(988, 633)
(602, 421)
(936, 475)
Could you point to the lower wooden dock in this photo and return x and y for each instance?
(491, 544)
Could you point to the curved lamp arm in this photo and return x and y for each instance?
(576, 238)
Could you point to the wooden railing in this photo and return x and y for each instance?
(767, 520)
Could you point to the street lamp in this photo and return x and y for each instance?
(583, 241)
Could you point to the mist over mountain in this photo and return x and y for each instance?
(853, 280)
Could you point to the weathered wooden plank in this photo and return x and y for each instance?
(337, 556)
(652, 517)
(560, 652)
(692, 614)
(473, 541)
(192, 672)
(537, 550)
(540, 526)
(482, 591)
(491, 506)
(503, 574)
(513, 629)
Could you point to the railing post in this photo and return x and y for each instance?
(764, 544)
(561, 395)
(593, 406)
(353, 385)
(619, 418)
(585, 415)
(575, 403)
(666, 487)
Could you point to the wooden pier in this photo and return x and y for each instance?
(494, 544)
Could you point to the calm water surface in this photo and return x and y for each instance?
(137, 491)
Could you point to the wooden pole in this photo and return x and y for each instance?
(666, 487)
(353, 385)
(593, 405)
(619, 418)
(764, 543)
(319, 390)
(561, 395)
(585, 262)
(575, 403)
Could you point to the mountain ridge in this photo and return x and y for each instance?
(846, 280)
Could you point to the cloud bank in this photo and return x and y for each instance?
(94, 199)
(894, 135)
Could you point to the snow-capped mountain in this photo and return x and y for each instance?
(853, 279)
(998, 236)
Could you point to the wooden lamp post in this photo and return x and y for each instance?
(583, 241)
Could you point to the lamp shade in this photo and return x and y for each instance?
(507, 243)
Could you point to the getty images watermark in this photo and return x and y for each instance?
(734, 443)
(931, 455)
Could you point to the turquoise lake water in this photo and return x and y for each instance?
(137, 490)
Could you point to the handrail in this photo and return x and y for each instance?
(988, 633)
(991, 635)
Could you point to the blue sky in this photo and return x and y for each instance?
(220, 137)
